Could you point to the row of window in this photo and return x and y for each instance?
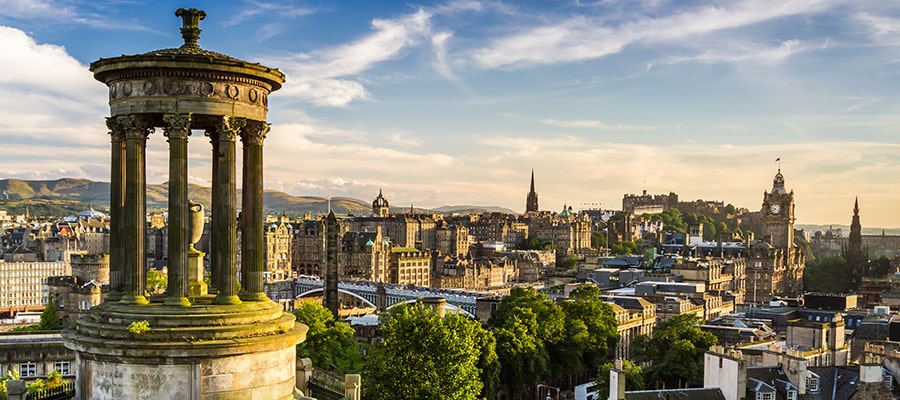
(29, 369)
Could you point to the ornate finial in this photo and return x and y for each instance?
(190, 29)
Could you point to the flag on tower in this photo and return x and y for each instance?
(778, 159)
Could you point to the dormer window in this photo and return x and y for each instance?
(765, 396)
(812, 384)
(888, 381)
(792, 395)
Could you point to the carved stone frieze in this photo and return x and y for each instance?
(166, 87)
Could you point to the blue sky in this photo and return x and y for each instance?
(455, 102)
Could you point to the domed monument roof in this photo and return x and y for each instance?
(187, 79)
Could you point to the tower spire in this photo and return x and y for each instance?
(532, 180)
(531, 202)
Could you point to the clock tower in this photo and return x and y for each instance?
(778, 214)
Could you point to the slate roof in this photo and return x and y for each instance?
(847, 383)
(677, 394)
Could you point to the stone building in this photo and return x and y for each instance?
(452, 239)
(35, 355)
(24, 284)
(409, 266)
(279, 238)
(651, 204)
(365, 255)
(635, 316)
(308, 248)
(404, 230)
(775, 264)
(481, 274)
(568, 230)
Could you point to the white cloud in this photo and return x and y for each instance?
(582, 38)
(595, 124)
(329, 77)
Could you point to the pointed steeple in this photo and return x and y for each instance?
(856, 206)
(532, 181)
(531, 202)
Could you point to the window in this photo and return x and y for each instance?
(765, 396)
(64, 367)
(27, 369)
(812, 384)
(792, 395)
(888, 381)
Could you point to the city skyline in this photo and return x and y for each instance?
(453, 103)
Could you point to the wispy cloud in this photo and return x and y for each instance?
(327, 77)
(63, 13)
(269, 10)
(745, 52)
(596, 125)
(582, 37)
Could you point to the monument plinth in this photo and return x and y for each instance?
(186, 344)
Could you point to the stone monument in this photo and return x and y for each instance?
(182, 345)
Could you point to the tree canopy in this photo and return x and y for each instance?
(827, 274)
(425, 356)
(538, 339)
(328, 343)
(590, 331)
(675, 352)
(634, 378)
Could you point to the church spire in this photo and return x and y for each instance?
(532, 181)
(531, 202)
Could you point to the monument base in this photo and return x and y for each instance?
(201, 352)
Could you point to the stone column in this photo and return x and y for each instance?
(252, 218)
(116, 204)
(332, 246)
(135, 208)
(225, 209)
(177, 130)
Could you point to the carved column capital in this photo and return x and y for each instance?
(228, 128)
(255, 132)
(178, 126)
(116, 132)
(135, 126)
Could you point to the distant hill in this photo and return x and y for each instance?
(68, 196)
(471, 210)
(845, 229)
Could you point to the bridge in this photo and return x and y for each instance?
(367, 291)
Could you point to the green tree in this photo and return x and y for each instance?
(622, 248)
(54, 379)
(569, 262)
(634, 378)
(156, 281)
(426, 356)
(729, 209)
(523, 358)
(880, 267)
(672, 220)
(675, 352)
(827, 274)
(590, 334)
(598, 239)
(525, 324)
(49, 317)
(328, 342)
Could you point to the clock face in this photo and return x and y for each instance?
(775, 208)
